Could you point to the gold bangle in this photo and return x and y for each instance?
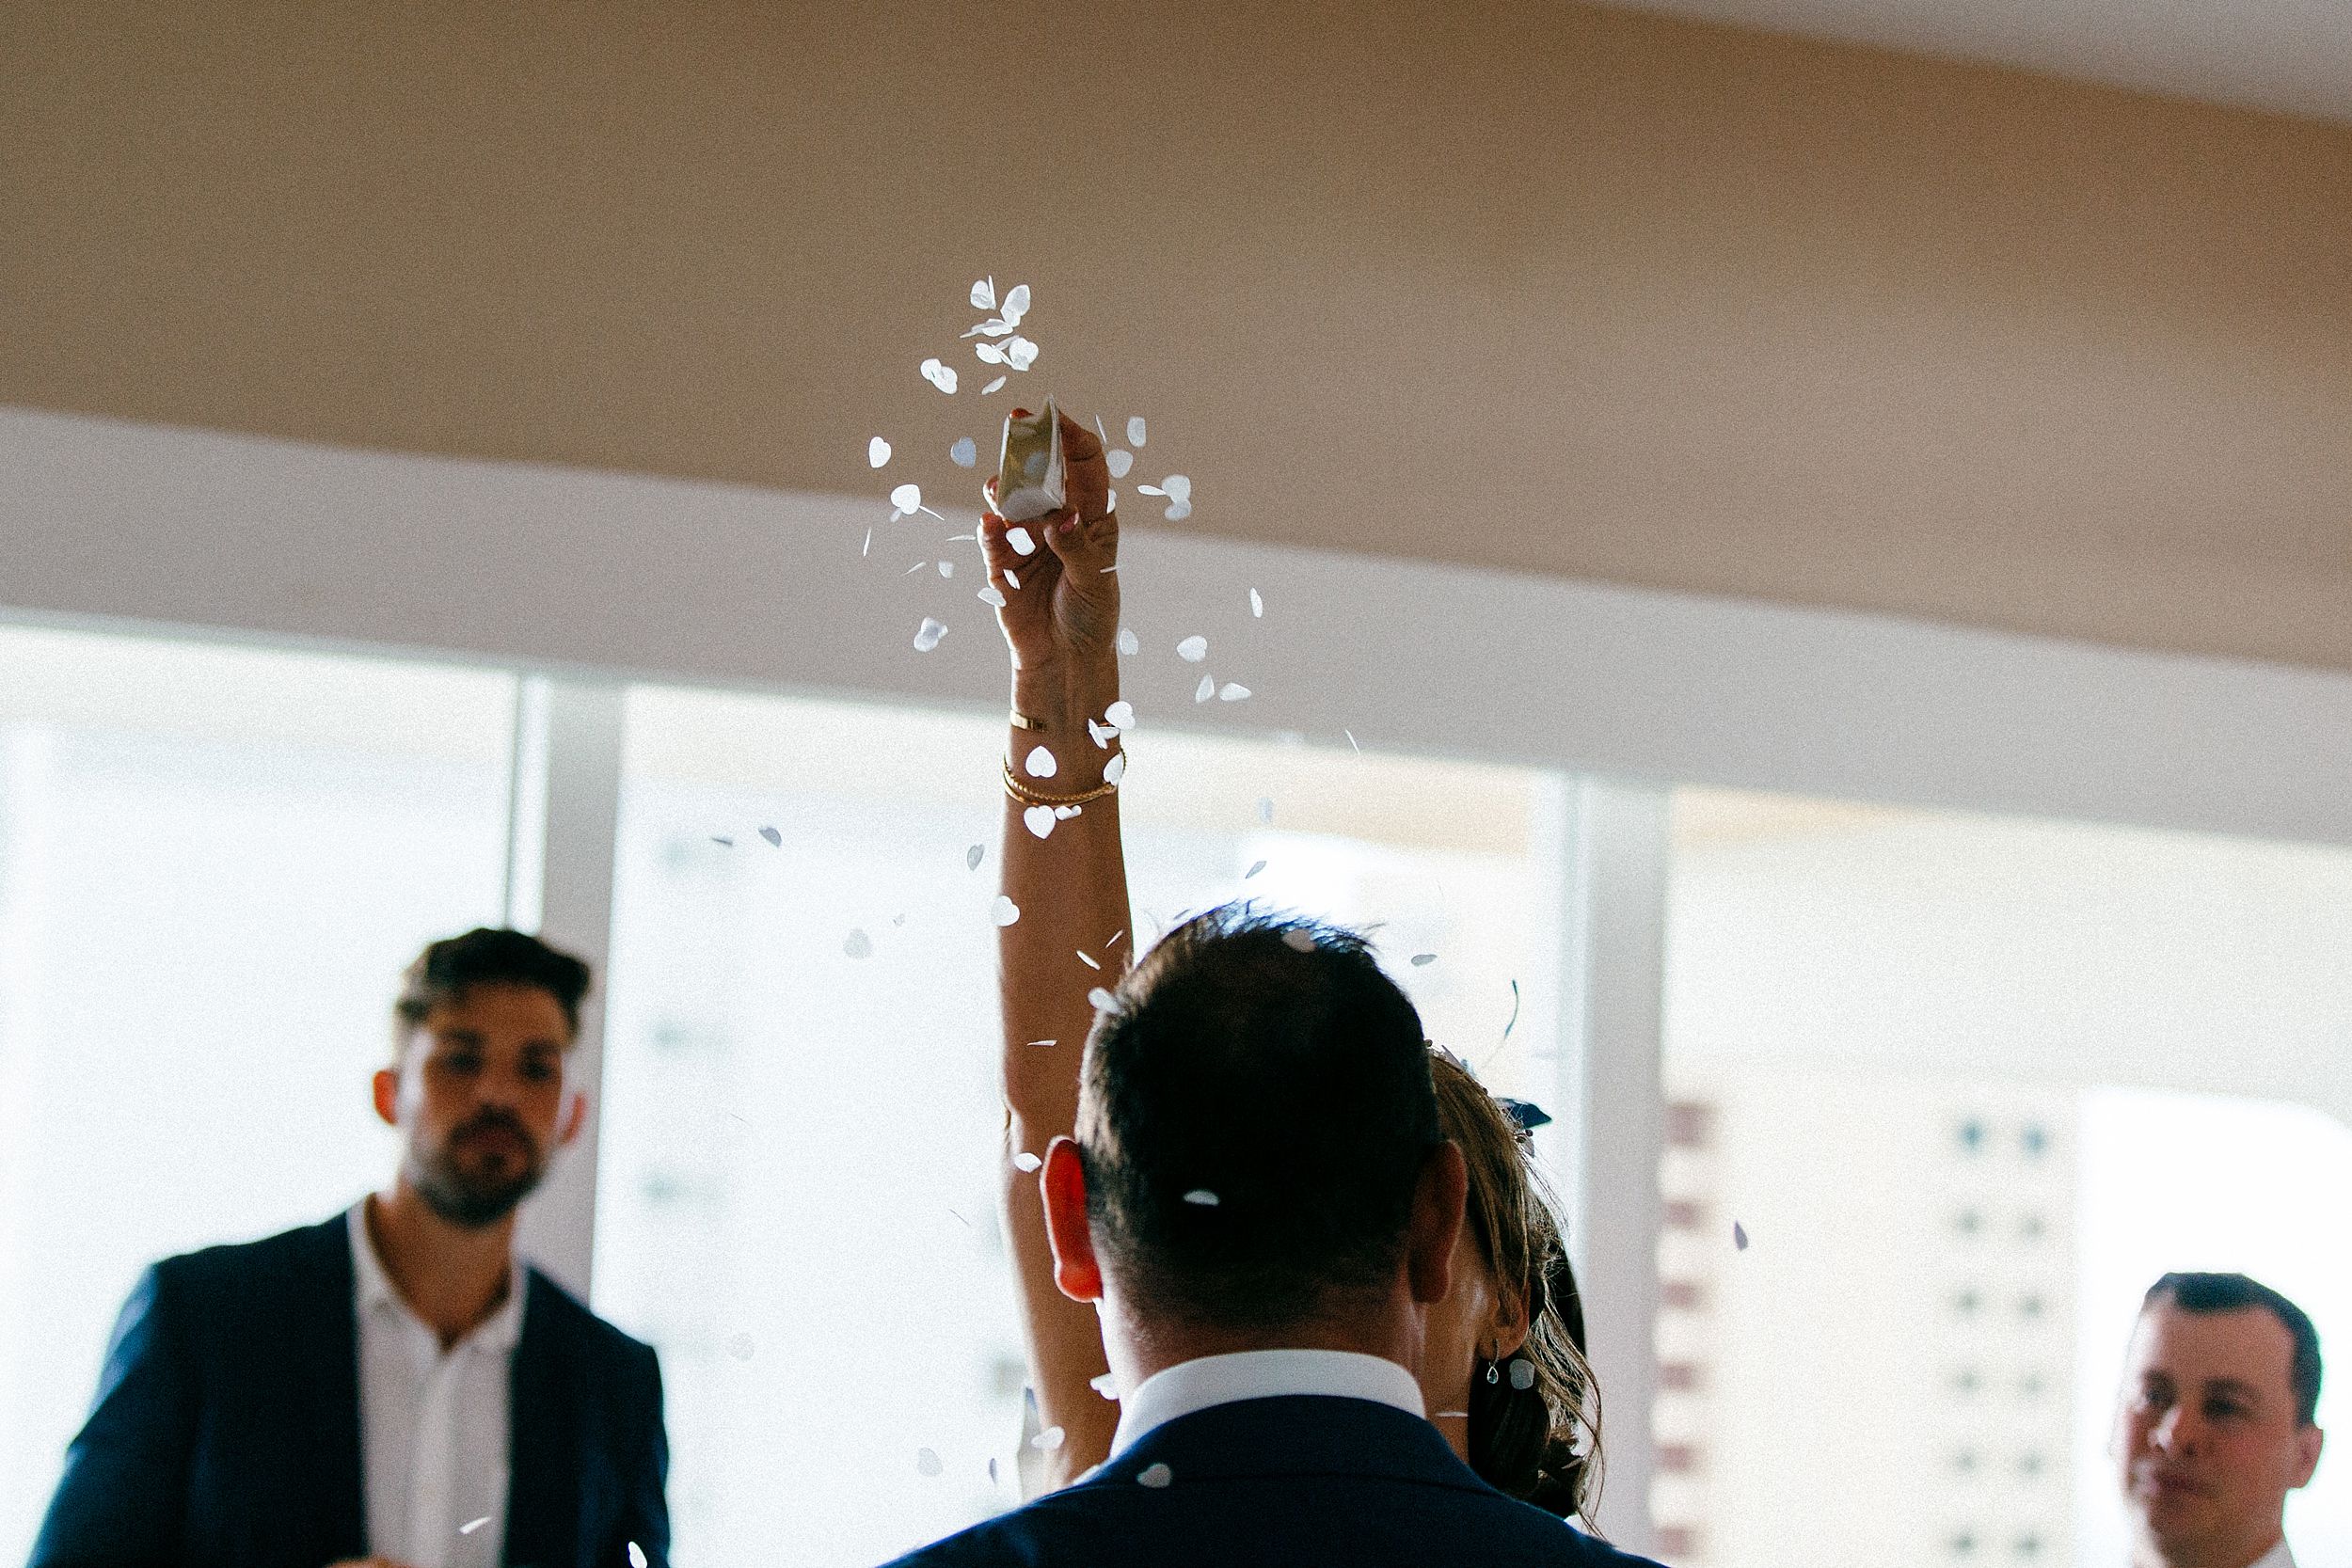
(1022, 722)
(1020, 790)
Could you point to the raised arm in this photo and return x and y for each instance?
(1061, 617)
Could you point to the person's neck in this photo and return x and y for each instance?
(452, 1276)
(1142, 1344)
(2243, 1552)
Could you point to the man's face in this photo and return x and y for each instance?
(478, 1094)
(2207, 1437)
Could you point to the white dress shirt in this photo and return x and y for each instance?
(433, 1423)
(1258, 1374)
(2277, 1557)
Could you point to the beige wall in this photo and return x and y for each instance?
(1528, 285)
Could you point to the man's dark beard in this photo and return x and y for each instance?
(472, 1201)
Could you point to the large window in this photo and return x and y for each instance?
(1967, 1086)
(801, 1120)
(213, 862)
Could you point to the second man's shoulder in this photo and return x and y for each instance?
(556, 1309)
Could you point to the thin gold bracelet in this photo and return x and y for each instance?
(1020, 790)
(1022, 722)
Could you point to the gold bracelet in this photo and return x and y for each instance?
(1019, 789)
(1022, 722)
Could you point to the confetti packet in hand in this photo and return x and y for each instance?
(1029, 481)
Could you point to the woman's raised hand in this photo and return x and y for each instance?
(1061, 595)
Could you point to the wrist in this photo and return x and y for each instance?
(1064, 696)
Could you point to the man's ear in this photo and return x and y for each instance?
(1062, 1184)
(2308, 1443)
(387, 1093)
(1436, 1223)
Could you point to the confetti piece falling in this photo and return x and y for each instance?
(1515, 1011)
(907, 497)
(1041, 763)
(1154, 1476)
(947, 569)
(1045, 1043)
(472, 1524)
(723, 841)
(1121, 715)
(1266, 808)
(1016, 304)
(1738, 1236)
(1011, 578)
(857, 945)
(1351, 742)
(1118, 461)
(877, 452)
(1106, 1385)
(1048, 1440)
(869, 543)
(1253, 871)
(1004, 912)
(972, 857)
(991, 1472)
(1084, 959)
(1457, 1415)
(1101, 1001)
(939, 375)
(1115, 770)
(1024, 1160)
(1522, 1375)
(1020, 353)
(995, 385)
(984, 295)
(1101, 735)
(1200, 1197)
(927, 1462)
(966, 452)
(1128, 642)
(991, 597)
(1299, 940)
(912, 570)
(636, 1556)
(1134, 430)
(1422, 960)
(1039, 820)
(1022, 541)
(1232, 691)
(1257, 606)
(1206, 689)
(775, 839)
(1192, 650)
(927, 636)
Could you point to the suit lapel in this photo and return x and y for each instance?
(543, 1445)
(328, 1391)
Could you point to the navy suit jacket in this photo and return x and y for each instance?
(1283, 1483)
(226, 1430)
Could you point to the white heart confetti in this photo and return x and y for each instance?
(1522, 1375)
(1232, 691)
(1041, 763)
(1050, 1439)
(1063, 814)
(1134, 430)
(1121, 715)
(997, 385)
(966, 452)
(775, 839)
(1106, 1385)
(636, 1556)
(1202, 1198)
(1299, 940)
(1154, 1476)
(1101, 1001)
(1253, 871)
(1178, 511)
(1039, 820)
(991, 597)
(1022, 541)
(1004, 912)
(1206, 689)
(858, 945)
(1192, 650)
(927, 637)
(907, 497)
(1024, 1160)
(1012, 577)
(1128, 642)
(1178, 487)
(472, 1524)
(989, 353)
(984, 295)
(1422, 960)
(947, 569)
(1119, 462)
(927, 1462)
(1017, 303)
(877, 452)
(939, 375)
(1150, 490)
(1266, 808)
(1257, 606)
(1020, 353)
(972, 857)
(1115, 770)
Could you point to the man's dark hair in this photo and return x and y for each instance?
(448, 969)
(2231, 1292)
(1255, 1114)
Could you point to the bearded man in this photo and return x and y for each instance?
(392, 1385)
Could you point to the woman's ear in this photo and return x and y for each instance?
(1509, 1326)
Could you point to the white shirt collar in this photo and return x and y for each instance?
(2277, 1557)
(1257, 1374)
(500, 1331)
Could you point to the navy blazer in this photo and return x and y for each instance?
(226, 1431)
(1283, 1483)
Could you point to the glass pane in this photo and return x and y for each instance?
(795, 1200)
(1960, 1080)
(214, 862)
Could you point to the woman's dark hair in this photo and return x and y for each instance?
(1540, 1443)
(448, 969)
(1255, 1112)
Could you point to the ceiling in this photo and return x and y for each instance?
(2289, 56)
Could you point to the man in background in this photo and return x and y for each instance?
(2216, 1422)
(1262, 1206)
(391, 1385)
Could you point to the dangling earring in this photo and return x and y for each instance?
(1492, 1375)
